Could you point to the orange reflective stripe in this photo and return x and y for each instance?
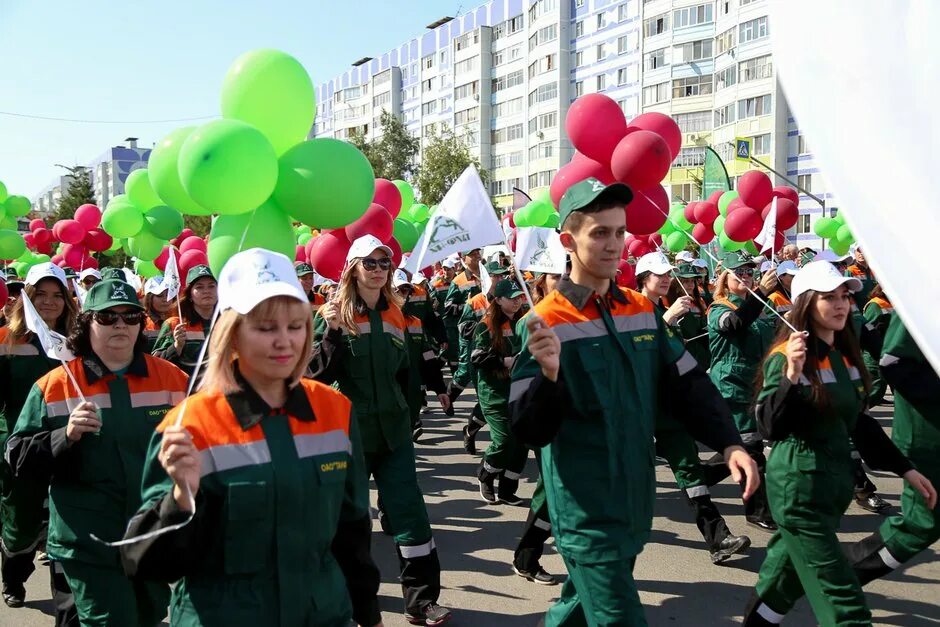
(479, 302)
(721, 301)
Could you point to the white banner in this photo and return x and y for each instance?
(171, 276)
(768, 234)
(53, 343)
(539, 249)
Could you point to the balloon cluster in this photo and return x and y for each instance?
(78, 238)
(837, 232)
(741, 213)
(22, 251)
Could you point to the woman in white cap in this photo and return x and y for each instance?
(88, 277)
(780, 297)
(272, 462)
(360, 344)
(813, 388)
(22, 361)
(180, 341)
(157, 307)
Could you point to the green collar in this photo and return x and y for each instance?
(578, 295)
(95, 370)
(249, 408)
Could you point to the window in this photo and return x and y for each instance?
(579, 4)
(726, 78)
(656, 25)
(515, 52)
(601, 82)
(508, 133)
(724, 115)
(542, 150)
(467, 91)
(543, 94)
(753, 107)
(692, 86)
(690, 157)
(627, 75)
(467, 65)
(579, 58)
(802, 148)
(509, 80)
(746, 2)
(540, 8)
(753, 69)
(545, 64)
(404, 74)
(429, 107)
(381, 79)
(543, 121)
(692, 16)
(465, 41)
(382, 99)
(655, 59)
(694, 122)
(628, 106)
(428, 62)
(601, 20)
(692, 51)
(467, 116)
(543, 35)
(444, 57)
(430, 129)
(601, 53)
(509, 27)
(427, 85)
(627, 43)
(510, 107)
(624, 11)
(541, 179)
(805, 182)
(760, 144)
(753, 30)
(724, 42)
(579, 28)
(802, 224)
(579, 89)
(500, 188)
(507, 160)
(656, 93)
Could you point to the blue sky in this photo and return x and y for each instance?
(144, 60)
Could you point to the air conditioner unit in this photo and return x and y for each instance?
(540, 135)
(476, 97)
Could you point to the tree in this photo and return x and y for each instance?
(199, 224)
(393, 154)
(445, 157)
(79, 192)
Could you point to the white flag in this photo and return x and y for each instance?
(171, 276)
(486, 281)
(52, 342)
(765, 239)
(79, 293)
(464, 220)
(539, 249)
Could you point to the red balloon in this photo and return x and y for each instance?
(629, 239)
(97, 240)
(655, 240)
(44, 249)
(595, 124)
(190, 259)
(512, 219)
(647, 212)
(29, 240)
(387, 195)
(74, 256)
(328, 254)
(162, 259)
(88, 262)
(36, 224)
(787, 213)
(183, 236)
(193, 243)
(641, 160)
(662, 125)
(42, 236)
(70, 231)
(577, 170)
(714, 197)
(639, 248)
(737, 203)
(626, 275)
(689, 212)
(755, 189)
(300, 254)
(4, 294)
(785, 191)
(703, 233)
(396, 251)
(58, 260)
(743, 225)
(706, 212)
(375, 221)
(89, 216)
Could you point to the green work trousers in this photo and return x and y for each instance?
(600, 594)
(105, 597)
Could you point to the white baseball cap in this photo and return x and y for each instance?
(787, 267)
(47, 270)
(448, 263)
(700, 263)
(821, 276)
(365, 246)
(155, 285)
(765, 266)
(87, 272)
(655, 263)
(685, 256)
(400, 278)
(830, 256)
(255, 275)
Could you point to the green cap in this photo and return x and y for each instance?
(110, 293)
(687, 271)
(494, 268)
(807, 257)
(69, 272)
(736, 259)
(114, 274)
(507, 289)
(303, 269)
(12, 273)
(583, 194)
(197, 272)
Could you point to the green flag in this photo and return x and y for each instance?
(715, 179)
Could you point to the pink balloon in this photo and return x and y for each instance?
(647, 212)
(785, 191)
(179, 239)
(58, 260)
(89, 216)
(689, 212)
(36, 224)
(662, 125)
(655, 240)
(375, 221)
(641, 159)
(162, 259)
(4, 294)
(626, 275)
(511, 217)
(44, 248)
(29, 240)
(639, 248)
(626, 246)
(97, 240)
(69, 231)
(706, 212)
(190, 259)
(787, 213)
(42, 236)
(193, 243)
(387, 195)
(328, 254)
(577, 170)
(595, 124)
(715, 197)
(703, 233)
(396, 251)
(74, 256)
(88, 262)
(300, 254)
(743, 225)
(735, 204)
(755, 189)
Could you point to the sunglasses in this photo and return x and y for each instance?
(371, 264)
(108, 318)
(743, 273)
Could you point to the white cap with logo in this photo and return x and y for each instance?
(400, 278)
(821, 276)
(685, 256)
(46, 270)
(87, 272)
(253, 276)
(657, 263)
(155, 285)
(365, 246)
(787, 267)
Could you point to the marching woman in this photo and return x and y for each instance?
(780, 297)
(88, 446)
(673, 442)
(273, 463)
(495, 346)
(22, 361)
(739, 338)
(180, 341)
(157, 307)
(813, 389)
(692, 325)
(877, 312)
(360, 344)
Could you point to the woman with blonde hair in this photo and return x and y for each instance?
(360, 344)
(273, 466)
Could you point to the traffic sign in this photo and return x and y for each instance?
(742, 148)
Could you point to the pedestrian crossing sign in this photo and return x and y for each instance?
(742, 148)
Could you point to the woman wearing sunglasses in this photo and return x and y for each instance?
(360, 344)
(739, 337)
(180, 341)
(90, 453)
(22, 362)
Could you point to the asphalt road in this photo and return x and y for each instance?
(678, 584)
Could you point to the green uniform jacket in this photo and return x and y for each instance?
(421, 306)
(281, 531)
(693, 325)
(461, 290)
(196, 334)
(493, 378)
(424, 367)
(371, 368)
(94, 484)
(21, 365)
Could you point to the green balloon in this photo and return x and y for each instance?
(676, 241)
(728, 244)
(719, 226)
(418, 213)
(163, 171)
(844, 234)
(266, 227)
(164, 222)
(116, 244)
(146, 269)
(838, 247)
(553, 221)
(407, 194)
(121, 218)
(304, 238)
(325, 183)
(138, 190)
(43, 258)
(271, 91)
(228, 166)
(11, 244)
(667, 228)
(21, 268)
(826, 228)
(422, 225)
(751, 247)
(8, 222)
(145, 246)
(677, 215)
(17, 206)
(3, 192)
(724, 200)
(406, 233)
(303, 228)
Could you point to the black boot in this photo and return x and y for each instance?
(721, 543)
(525, 562)
(474, 424)
(487, 479)
(421, 584)
(507, 489)
(453, 393)
(756, 614)
(867, 559)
